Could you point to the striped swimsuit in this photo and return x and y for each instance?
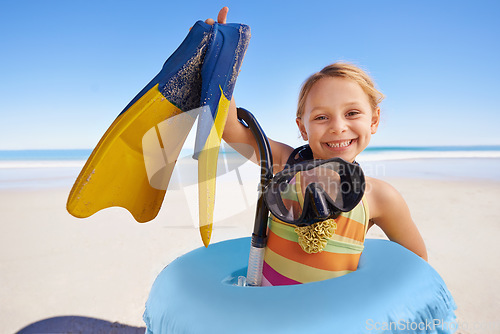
(286, 263)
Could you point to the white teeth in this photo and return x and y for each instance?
(341, 144)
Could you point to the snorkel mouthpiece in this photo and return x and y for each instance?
(319, 204)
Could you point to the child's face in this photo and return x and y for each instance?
(338, 120)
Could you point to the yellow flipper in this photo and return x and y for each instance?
(207, 170)
(115, 174)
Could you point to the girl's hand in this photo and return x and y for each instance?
(221, 18)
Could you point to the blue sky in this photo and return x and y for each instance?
(67, 68)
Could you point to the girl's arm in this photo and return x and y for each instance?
(242, 140)
(389, 211)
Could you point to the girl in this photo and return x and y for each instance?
(337, 114)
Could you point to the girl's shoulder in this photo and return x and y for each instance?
(382, 198)
(389, 211)
(281, 152)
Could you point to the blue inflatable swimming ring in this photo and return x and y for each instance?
(393, 290)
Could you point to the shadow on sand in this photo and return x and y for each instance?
(76, 324)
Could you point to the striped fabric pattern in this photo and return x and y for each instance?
(285, 262)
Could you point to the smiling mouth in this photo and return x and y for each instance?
(340, 144)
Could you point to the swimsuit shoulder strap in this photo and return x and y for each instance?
(300, 154)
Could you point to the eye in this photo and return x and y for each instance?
(352, 113)
(320, 118)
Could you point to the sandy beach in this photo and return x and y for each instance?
(60, 274)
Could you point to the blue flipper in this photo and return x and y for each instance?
(132, 163)
(226, 49)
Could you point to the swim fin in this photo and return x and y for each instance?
(125, 169)
(220, 69)
(115, 173)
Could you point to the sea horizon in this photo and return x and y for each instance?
(46, 168)
(39, 158)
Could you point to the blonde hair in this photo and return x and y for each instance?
(341, 70)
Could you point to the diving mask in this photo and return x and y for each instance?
(315, 190)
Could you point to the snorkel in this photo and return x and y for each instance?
(327, 188)
(259, 235)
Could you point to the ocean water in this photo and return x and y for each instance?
(426, 152)
(452, 163)
(48, 168)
